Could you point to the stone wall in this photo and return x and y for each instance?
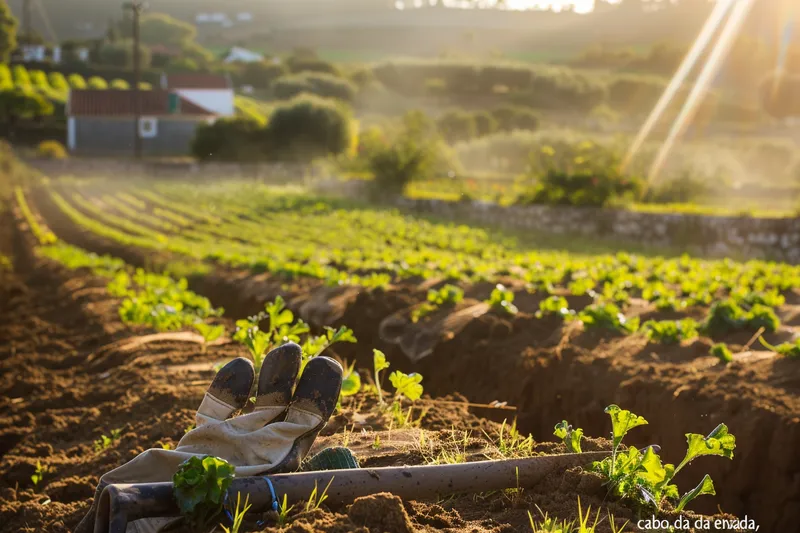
(715, 236)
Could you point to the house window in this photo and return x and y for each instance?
(148, 127)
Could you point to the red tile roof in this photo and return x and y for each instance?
(197, 81)
(119, 103)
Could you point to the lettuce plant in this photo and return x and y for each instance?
(569, 436)
(447, 295)
(199, 487)
(640, 475)
(786, 349)
(555, 305)
(501, 300)
(721, 352)
(670, 331)
(608, 316)
(727, 315)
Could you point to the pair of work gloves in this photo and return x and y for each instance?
(274, 437)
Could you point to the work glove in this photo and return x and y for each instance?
(273, 438)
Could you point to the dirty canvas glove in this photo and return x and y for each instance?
(275, 437)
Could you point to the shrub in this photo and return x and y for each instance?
(582, 174)
(119, 84)
(456, 125)
(96, 82)
(261, 74)
(485, 123)
(309, 64)
(51, 150)
(229, 139)
(683, 189)
(511, 118)
(410, 153)
(307, 127)
(324, 85)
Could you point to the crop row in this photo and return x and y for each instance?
(291, 234)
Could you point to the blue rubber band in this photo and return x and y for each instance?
(226, 505)
(272, 491)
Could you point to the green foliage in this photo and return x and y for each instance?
(608, 316)
(200, 486)
(239, 512)
(569, 436)
(38, 475)
(447, 295)
(8, 32)
(641, 476)
(320, 84)
(20, 103)
(406, 385)
(351, 381)
(786, 349)
(51, 150)
(229, 139)
(583, 174)
(409, 154)
(379, 363)
(726, 315)
(120, 53)
(105, 442)
(509, 118)
(670, 331)
(682, 189)
(260, 74)
(456, 125)
(555, 305)
(209, 332)
(308, 127)
(501, 300)
(304, 63)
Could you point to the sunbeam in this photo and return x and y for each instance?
(710, 69)
(699, 45)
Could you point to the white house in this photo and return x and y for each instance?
(209, 91)
(242, 55)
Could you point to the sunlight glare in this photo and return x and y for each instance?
(699, 45)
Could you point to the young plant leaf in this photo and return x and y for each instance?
(407, 385)
(351, 384)
(706, 486)
(622, 421)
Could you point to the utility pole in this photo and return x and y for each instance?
(136, 7)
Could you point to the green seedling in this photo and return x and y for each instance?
(105, 442)
(447, 295)
(670, 331)
(786, 349)
(38, 474)
(555, 305)
(379, 364)
(200, 486)
(641, 476)
(316, 499)
(569, 436)
(238, 514)
(721, 352)
(608, 316)
(283, 512)
(351, 382)
(511, 443)
(502, 299)
(727, 315)
(209, 332)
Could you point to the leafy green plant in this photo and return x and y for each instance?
(502, 300)
(727, 315)
(379, 363)
(641, 476)
(447, 295)
(608, 316)
(670, 331)
(786, 349)
(283, 511)
(406, 386)
(200, 485)
(39, 473)
(209, 332)
(105, 442)
(351, 382)
(721, 352)
(555, 305)
(511, 443)
(569, 436)
(238, 514)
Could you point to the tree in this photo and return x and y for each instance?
(120, 54)
(260, 74)
(8, 31)
(160, 28)
(17, 104)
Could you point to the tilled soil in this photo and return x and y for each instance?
(64, 369)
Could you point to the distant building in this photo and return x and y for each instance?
(210, 91)
(37, 53)
(242, 55)
(101, 122)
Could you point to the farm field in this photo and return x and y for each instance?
(483, 316)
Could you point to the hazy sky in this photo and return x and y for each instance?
(580, 6)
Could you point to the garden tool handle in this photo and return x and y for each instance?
(122, 503)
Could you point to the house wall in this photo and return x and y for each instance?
(103, 136)
(218, 101)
